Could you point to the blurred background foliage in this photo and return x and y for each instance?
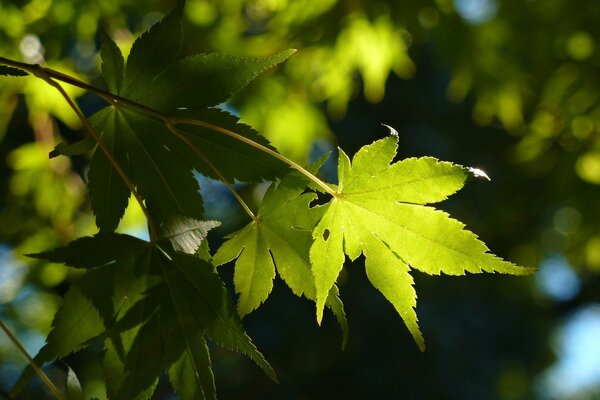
(509, 86)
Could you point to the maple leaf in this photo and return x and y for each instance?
(379, 210)
(142, 298)
(150, 136)
(280, 236)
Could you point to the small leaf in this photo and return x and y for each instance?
(204, 80)
(10, 71)
(393, 132)
(153, 52)
(113, 65)
(81, 147)
(279, 237)
(334, 302)
(109, 194)
(191, 375)
(326, 256)
(94, 251)
(254, 268)
(186, 235)
(213, 308)
(390, 275)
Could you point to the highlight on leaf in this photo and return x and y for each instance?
(381, 211)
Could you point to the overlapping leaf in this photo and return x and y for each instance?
(157, 152)
(279, 237)
(380, 211)
(161, 298)
(153, 306)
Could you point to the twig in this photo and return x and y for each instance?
(32, 363)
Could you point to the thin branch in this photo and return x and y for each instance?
(180, 135)
(264, 149)
(167, 119)
(118, 100)
(41, 73)
(32, 363)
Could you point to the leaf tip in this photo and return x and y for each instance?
(393, 132)
(478, 173)
(319, 314)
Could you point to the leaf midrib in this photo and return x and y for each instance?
(389, 187)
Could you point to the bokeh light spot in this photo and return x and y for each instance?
(576, 375)
(476, 11)
(557, 280)
(588, 167)
(567, 220)
(580, 46)
(31, 48)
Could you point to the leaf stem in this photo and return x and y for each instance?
(167, 119)
(41, 73)
(180, 135)
(31, 362)
(260, 147)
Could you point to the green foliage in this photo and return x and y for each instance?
(163, 296)
(167, 83)
(145, 299)
(378, 210)
(279, 236)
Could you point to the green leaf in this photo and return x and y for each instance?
(334, 302)
(165, 182)
(94, 251)
(254, 268)
(191, 375)
(390, 275)
(280, 236)
(155, 154)
(109, 194)
(10, 71)
(203, 80)
(76, 322)
(152, 305)
(220, 156)
(83, 146)
(153, 52)
(212, 308)
(113, 64)
(186, 235)
(162, 178)
(379, 211)
(159, 163)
